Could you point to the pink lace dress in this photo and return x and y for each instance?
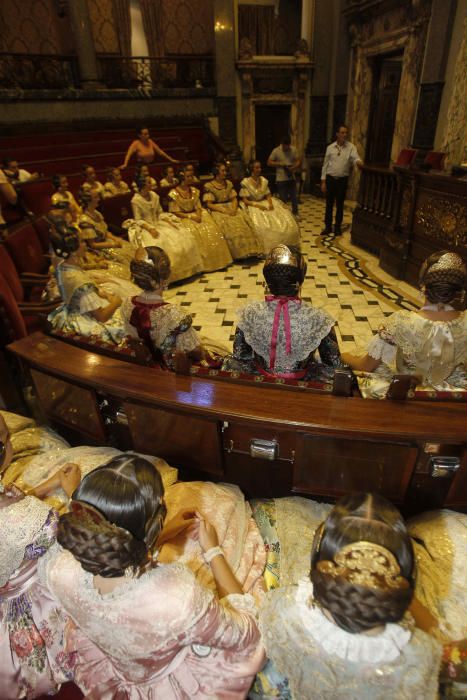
(32, 657)
(163, 635)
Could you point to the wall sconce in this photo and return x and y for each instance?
(221, 27)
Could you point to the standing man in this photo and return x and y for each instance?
(340, 158)
(287, 161)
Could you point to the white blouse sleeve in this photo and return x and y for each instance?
(382, 347)
(91, 302)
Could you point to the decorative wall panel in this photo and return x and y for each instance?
(104, 30)
(188, 27)
(33, 27)
(429, 103)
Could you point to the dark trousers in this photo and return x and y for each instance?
(287, 190)
(336, 187)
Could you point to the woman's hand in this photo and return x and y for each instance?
(271, 206)
(70, 477)
(203, 531)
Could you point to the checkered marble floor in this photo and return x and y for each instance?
(343, 279)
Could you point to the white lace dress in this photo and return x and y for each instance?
(324, 662)
(408, 343)
(172, 237)
(272, 226)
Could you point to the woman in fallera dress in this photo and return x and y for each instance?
(62, 198)
(32, 656)
(115, 185)
(152, 226)
(431, 343)
(169, 179)
(273, 221)
(86, 310)
(344, 632)
(184, 202)
(95, 232)
(140, 628)
(221, 200)
(280, 335)
(91, 182)
(141, 172)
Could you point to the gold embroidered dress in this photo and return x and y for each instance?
(273, 226)
(93, 228)
(237, 230)
(211, 244)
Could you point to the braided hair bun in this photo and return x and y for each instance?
(116, 515)
(353, 599)
(284, 279)
(444, 276)
(152, 273)
(63, 237)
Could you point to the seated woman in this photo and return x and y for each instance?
(150, 222)
(281, 335)
(95, 233)
(343, 632)
(169, 179)
(190, 170)
(184, 202)
(145, 149)
(91, 182)
(430, 343)
(141, 172)
(165, 329)
(236, 227)
(62, 198)
(86, 310)
(32, 657)
(141, 629)
(273, 221)
(115, 185)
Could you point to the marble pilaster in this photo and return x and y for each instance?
(84, 43)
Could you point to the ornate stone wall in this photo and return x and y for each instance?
(33, 27)
(382, 31)
(455, 135)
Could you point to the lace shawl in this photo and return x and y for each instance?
(186, 205)
(415, 344)
(324, 662)
(147, 210)
(308, 327)
(219, 195)
(20, 523)
(248, 189)
(94, 229)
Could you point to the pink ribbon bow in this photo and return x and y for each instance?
(282, 308)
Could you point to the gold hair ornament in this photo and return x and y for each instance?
(282, 255)
(365, 564)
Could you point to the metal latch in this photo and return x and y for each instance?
(264, 449)
(443, 467)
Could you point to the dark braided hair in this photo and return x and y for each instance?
(355, 518)
(285, 280)
(63, 237)
(445, 284)
(128, 493)
(151, 274)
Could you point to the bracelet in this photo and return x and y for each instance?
(211, 553)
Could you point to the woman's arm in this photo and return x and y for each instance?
(163, 153)
(234, 202)
(129, 153)
(104, 313)
(364, 363)
(226, 582)
(9, 192)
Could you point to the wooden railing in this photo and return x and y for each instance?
(378, 191)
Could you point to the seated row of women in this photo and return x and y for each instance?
(282, 335)
(229, 232)
(178, 592)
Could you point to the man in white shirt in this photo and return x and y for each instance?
(339, 160)
(287, 162)
(15, 174)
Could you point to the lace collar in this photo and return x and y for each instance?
(379, 648)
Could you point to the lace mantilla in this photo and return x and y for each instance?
(308, 327)
(19, 524)
(379, 648)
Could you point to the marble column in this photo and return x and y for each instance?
(224, 32)
(84, 43)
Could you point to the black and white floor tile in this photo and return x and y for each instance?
(343, 279)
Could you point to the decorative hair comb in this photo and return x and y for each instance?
(282, 255)
(94, 519)
(365, 564)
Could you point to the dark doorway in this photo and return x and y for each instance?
(386, 79)
(272, 124)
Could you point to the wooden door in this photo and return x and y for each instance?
(272, 124)
(386, 80)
